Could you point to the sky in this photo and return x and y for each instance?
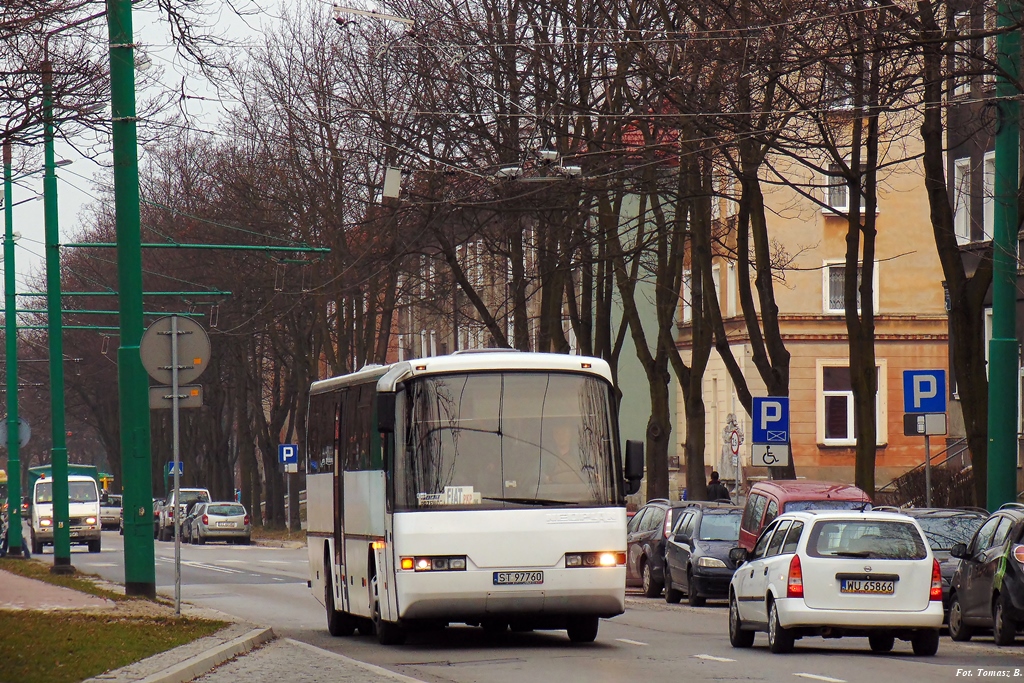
(77, 181)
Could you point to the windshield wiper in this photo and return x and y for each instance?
(532, 501)
(852, 553)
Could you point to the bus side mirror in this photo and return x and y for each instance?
(386, 413)
(634, 466)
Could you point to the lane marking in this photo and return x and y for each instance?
(101, 564)
(816, 677)
(712, 658)
(379, 670)
(627, 641)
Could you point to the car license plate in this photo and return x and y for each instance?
(225, 524)
(518, 578)
(867, 587)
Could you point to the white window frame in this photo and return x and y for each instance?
(837, 183)
(962, 56)
(827, 267)
(988, 174)
(687, 295)
(881, 402)
(962, 199)
(732, 289)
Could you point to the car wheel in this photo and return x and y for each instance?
(37, 547)
(925, 642)
(388, 632)
(780, 640)
(651, 587)
(672, 595)
(881, 642)
(582, 629)
(737, 636)
(691, 593)
(338, 623)
(958, 630)
(1003, 627)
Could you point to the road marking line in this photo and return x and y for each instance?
(379, 670)
(712, 658)
(627, 641)
(816, 677)
(101, 564)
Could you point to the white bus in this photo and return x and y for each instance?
(484, 488)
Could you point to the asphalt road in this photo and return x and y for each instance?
(652, 641)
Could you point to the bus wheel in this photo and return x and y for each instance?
(338, 623)
(582, 629)
(388, 632)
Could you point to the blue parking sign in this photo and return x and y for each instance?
(924, 391)
(771, 420)
(288, 453)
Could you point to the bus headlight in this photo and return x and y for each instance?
(603, 559)
(90, 520)
(46, 521)
(446, 563)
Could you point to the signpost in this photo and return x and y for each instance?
(770, 433)
(924, 405)
(288, 455)
(176, 349)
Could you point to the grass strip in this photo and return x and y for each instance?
(272, 533)
(48, 647)
(34, 569)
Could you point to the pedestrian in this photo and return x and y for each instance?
(717, 490)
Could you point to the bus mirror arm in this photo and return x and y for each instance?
(386, 412)
(634, 466)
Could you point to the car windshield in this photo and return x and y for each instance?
(78, 492)
(188, 497)
(800, 505)
(866, 538)
(943, 532)
(720, 526)
(225, 510)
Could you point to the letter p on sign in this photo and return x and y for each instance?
(924, 391)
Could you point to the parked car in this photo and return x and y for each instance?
(835, 574)
(188, 520)
(768, 499)
(158, 504)
(110, 509)
(987, 590)
(944, 528)
(697, 560)
(165, 530)
(221, 521)
(645, 543)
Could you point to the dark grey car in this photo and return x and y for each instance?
(697, 560)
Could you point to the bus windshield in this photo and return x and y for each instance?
(506, 440)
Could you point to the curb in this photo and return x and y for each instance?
(196, 666)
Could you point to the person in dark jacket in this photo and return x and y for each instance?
(717, 490)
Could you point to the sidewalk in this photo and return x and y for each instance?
(240, 651)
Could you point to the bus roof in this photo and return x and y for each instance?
(468, 362)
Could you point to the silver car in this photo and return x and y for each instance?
(221, 521)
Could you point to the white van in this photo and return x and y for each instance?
(83, 512)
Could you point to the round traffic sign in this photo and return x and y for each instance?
(734, 442)
(193, 349)
(24, 432)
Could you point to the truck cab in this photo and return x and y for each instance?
(83, 512)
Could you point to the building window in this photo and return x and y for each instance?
(732, 287)
(962, 56)
(687, 296)
(838, 194)
(989, 186)
(834, 273)
(962, 199)
(836, 421)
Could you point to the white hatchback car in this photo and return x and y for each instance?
(835, 574)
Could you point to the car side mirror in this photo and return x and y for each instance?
(959, 550)
(738, 556)
(634, 466)
(386, 412)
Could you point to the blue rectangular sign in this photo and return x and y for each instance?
(181, 467)
(288, 453)
(924, 391)
(771, 420)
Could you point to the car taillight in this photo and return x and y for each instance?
(795, 584)
(170, 513)
(206, 520)
(668, 524)
(246, 521)
(1018, 553)
(936, 592)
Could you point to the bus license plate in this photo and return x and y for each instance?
(867, 587)
(518, 578)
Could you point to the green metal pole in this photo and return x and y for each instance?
(11, 333)
(58, 451)
(1003, 369)
(133, 385)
